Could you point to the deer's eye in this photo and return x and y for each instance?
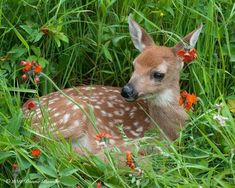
(158, 75)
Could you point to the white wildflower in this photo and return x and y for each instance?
(101, 144)
(218, 106)
(220, 119)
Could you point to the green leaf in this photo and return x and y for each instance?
(4, 155)
(48, 170)
(117, 39)
(47, 183)
(36, 51)
(35, 176)
(15, 122)
(107, 53)
(62, 37)
(57, 40)
(24, 42)
(32, 58)
(68, 171)
(23, 163)
(43, 62)
(69, 181)
(38, 36)
(232, 57)
(17, 52)
(28, 29)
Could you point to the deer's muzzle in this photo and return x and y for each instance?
(129, 93)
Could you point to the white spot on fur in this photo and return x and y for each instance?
(140, 129)
(134, 133)
(132, 114)
(39, 115)
(118, 121)
(76, 123)
(88, 88)
(70, 89)
(97, 107)
(112, 97)
(116, 91)
(119, 112)
(110, 124)
(75, 107)
(136, 123)
(134, 109)
(111, 141)
(66, 118)
(38, 110)
(56, 114)
(109, 114)
(147, 120)
(68, 102)
(127, 128)
(99, 103)
(122, 105)
(103, 113)
(99, 120)
(127, 108)
(110, 105)
(84, 118)
(53, 109)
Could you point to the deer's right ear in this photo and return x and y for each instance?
(139, 36)
(190, 39)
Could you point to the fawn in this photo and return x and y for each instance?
(152, 89)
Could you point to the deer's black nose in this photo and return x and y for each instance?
(129, 92)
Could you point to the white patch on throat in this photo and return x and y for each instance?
(164, 98)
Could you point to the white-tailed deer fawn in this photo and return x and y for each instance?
(153, 88)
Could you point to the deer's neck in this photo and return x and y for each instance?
(166, 112)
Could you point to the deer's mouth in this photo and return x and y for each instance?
(130, 99)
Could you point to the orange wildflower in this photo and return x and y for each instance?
(31, 105)
(187, 100)
(14, 166)
(31, 68)
(129, 160)
(188, 55)
(27, 67)
(23, 63)
(36, 80)
(24, 77)
(98, 185)
(36, 152)
(103, 136)
(38, 69)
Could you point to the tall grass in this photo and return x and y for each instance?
(89, 43)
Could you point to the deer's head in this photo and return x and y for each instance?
(156, 68)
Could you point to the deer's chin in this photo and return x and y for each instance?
(130, 99)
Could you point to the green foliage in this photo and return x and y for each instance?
(88, 42)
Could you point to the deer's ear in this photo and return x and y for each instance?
(139, 36)
(190, 39)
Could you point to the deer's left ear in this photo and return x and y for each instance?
(139, 36)
(189, 40)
